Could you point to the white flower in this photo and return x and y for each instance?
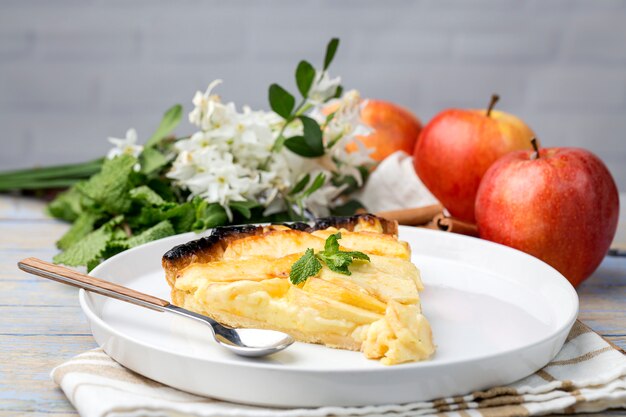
(320, 202)
(231, 159)
(209, 112)
(346, 127)
(323, 87)
(126, 146)
(346, 121)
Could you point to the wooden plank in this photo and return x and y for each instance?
(606, 323)
(8, 206)
(15, 208)
(612, 271)
(9, 258)
(25, 385)
(43, 320)
(38, 292)
(602, 298)
(30, 234)
(619, 341)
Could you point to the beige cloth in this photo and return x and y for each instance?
(588, 375)
(395, 185)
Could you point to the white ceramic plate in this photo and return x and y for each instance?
(497, 315)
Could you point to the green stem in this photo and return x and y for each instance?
(80, 170)
(37, 184)
(302, 108)
(280, 139)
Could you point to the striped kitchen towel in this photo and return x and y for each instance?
(588, 375)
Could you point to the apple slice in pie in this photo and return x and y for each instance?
(240, 276)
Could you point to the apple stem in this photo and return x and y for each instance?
(535, 155)
(492, 103)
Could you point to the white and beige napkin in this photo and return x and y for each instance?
(588, 375)
(395, 185)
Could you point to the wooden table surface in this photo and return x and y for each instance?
(42, 325)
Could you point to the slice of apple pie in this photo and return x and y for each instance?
(240, 276)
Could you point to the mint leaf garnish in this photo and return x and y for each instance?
(332, 243)
(337, 260)
(305, 267)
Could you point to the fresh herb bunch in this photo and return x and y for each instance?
(239, 167)
(310, 264)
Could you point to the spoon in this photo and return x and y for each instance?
(244, 342)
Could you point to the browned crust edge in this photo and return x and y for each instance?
(211, 248)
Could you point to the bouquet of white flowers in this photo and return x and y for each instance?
(290, 163)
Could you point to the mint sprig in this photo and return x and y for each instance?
(305, 267)
(337, 260)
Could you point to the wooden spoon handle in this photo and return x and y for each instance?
(68, 276)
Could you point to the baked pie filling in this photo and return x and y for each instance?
(240, 277)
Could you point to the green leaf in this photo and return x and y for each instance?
(331, 49)
(152, 160)
(109, 188)
(300, 146)
(144, 195)
(88, 251)
(332, 243)
(83, 225)
(305, 267)
(337, 262)
(158, 231)
(349, 208)
(300, 185)
(281, 101)
(358, 255)
(170, 120)
(244, 207)
(182, 217)
(208, 216)
(329, 118)
(305, 74)
(163, 187)
(66, 206)
(319, 180)
(338, 91)
(312, 134)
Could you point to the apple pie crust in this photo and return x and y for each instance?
(240, 277)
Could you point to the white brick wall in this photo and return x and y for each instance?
(74, 72)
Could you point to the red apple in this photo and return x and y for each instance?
(456, 148)
(559, 204)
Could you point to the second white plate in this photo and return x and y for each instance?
(497, 315)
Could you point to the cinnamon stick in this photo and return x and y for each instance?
(412, 216)
(454, 225)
